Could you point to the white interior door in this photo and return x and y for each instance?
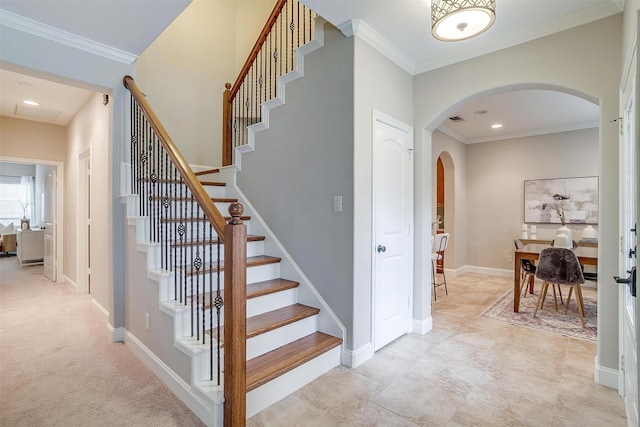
(50, 225)
(629, 312)
(393, 229)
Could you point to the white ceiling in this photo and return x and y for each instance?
(401, 27)
(58, 102)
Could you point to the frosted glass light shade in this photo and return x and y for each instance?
(453, 20)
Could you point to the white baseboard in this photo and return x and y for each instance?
(605, 376)
(355, 358)
(100, 308)
(209, 411)
(70, 282)
(422, 326)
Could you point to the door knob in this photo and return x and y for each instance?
(381, 248)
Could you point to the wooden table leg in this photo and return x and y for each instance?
(516, 283)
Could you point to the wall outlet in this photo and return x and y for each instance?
(147, 320)
(509, 258)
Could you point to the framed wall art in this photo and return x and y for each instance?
(561, 200)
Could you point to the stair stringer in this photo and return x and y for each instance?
(207, 403)
(328, 322)
(281, 84)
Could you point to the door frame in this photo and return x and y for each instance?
(629, 130)
(378, 116)
(59, 235)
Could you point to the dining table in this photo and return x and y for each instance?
(586, 256)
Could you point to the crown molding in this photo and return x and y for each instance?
(586, 16)
(360, 29)
(20, 23)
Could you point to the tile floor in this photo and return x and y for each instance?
(468, 371)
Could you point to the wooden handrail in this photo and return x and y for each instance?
(275, 13)
(199, 193)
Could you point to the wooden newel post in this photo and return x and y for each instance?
(226, 126)
(235, 319)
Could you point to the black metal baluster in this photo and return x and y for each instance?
(198, 264)
(191, 259)
(204, 277)
(173, 259)
(286, 38)
(182, 229)
(218, 304)
(211, 302)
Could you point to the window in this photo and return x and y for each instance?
(16, 198)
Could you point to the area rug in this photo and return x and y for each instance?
(547, 319)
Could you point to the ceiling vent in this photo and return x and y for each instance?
(456, 119)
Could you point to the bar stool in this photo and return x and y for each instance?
(437, 262)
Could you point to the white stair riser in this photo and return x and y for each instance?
(215, 191)
(183, 208)
(200, 229)
(254, 274)
(271, 302)
(183, 321)
(201, 365)
(279, 388)
(263, 272)
(271, 340)
(254, 248)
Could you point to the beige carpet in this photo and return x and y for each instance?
(58, 366)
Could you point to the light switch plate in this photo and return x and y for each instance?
(337, 203)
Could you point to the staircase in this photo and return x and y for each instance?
(285, 348)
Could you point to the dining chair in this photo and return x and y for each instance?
(437, 262)
(559, 266)
(527, 271)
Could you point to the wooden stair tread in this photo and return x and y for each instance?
(187, 199)
(252, 261)
(254, 290)
(265, 322)
(213, 184)
(177, 181)
(199, 219)
(207, 172)
(250, 238)
(275, 363)
(266, 287)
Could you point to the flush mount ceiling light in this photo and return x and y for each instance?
(454, 20)
(33, 103)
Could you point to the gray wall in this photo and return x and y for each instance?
(383, 86)
(302, 162)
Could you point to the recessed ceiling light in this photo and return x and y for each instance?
(34, 103)
(496, 126)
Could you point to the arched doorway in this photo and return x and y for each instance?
(445, 202)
